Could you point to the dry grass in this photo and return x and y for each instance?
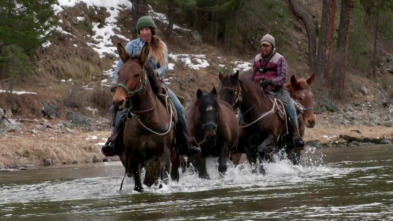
(69, 68)
(61, 147)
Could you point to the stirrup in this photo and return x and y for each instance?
(194, 150)
(299, 143)
(108, 149)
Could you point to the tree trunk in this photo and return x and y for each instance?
(325, 43)
(139, 9)
(337, 82)
(171, 18)
(305, 17)
(375, 45)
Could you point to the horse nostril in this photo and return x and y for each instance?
(209, 126)
(119, 104)
(210, 135)
(310, 123)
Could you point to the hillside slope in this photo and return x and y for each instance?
(73, 75)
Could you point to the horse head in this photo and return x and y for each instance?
(132, 75)
(230, 89)
(300, 90)
(208, 108)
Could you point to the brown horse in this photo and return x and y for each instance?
(262, 117)
(148, 136)
(213, 123)
(300, 90)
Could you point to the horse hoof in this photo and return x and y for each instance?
(299, 144)
(262, 170)
(138, 189)
(206, 177)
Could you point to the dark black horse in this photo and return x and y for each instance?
(213, 123)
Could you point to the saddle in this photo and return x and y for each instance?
(279, 108)
(278, 105)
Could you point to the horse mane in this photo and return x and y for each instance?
(192, 113)
(220, 101)
(155, 84)
(250, 87)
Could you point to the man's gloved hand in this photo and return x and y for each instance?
(266, 83)
(112, 87)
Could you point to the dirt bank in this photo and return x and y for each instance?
(44, 142)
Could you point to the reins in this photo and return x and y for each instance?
(275, 107)
(168, 107)
(142, 84)
(271, 111)
(238, 92)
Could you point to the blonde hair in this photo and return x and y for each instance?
(157, 51)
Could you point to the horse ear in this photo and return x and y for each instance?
(199, 93)
(214, 91)
(236, 75)
(310, 79)
(220, 76)
(293, 79)
(294, 82)
(122, 53)
(142, 58)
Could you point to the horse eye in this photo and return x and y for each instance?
(137, 75)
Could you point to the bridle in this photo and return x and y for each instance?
(301, 107)
(238, 92)
(141, 85)
(134, 113)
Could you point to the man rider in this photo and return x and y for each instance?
(270, 71)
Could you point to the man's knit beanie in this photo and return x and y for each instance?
(145, 21)
(268, 39)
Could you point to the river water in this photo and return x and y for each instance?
(352, 183)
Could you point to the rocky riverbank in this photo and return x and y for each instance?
(42, 142)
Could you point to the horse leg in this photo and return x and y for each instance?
(222, 160)
(183, 163)
(136, 171)
(152, 170)
(235, 158)
(200, 165)
(294, 157)
(165, 166)
(293, 153)
(251, 156)
(175, 159)
(265, 151)
(237, 154)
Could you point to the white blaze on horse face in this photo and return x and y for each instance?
(209, 108)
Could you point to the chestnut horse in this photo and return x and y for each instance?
(300, 90)
(213, 123)
(148, 136)
(263, 118)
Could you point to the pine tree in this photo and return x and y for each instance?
(24, 26)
